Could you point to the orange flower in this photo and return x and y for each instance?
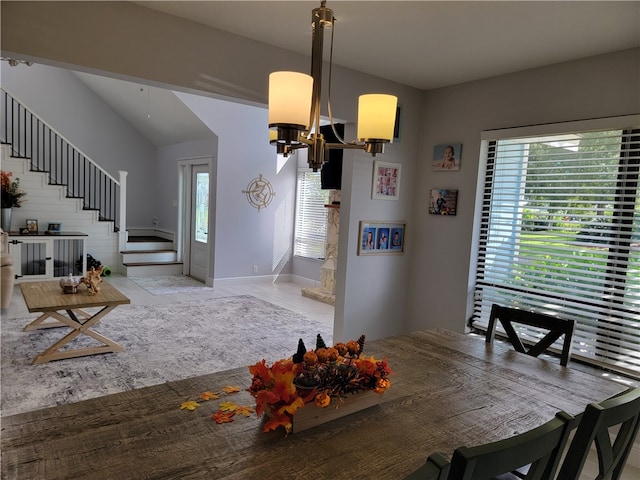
(322, 400)
(382, 384)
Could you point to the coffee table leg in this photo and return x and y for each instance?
(53, 353)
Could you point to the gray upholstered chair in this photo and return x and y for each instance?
(539, 450)
(555, 327)
(622, 411)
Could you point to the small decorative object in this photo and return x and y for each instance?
(32, 225)
(447, 157)
(297, 393)
(24, 231)
(386, 181)
(259, 192)
(381, 238)
(443, 201)
(11, 198)
(69, 284)
(54, 228)
(92, 280)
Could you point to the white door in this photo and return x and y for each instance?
(199, 225)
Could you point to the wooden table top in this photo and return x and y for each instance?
(47, 296)
(447, 390)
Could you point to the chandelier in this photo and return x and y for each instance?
(294, 106)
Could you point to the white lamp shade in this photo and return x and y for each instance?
(376, 117)
(290, 98)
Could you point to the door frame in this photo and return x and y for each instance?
(183, 233)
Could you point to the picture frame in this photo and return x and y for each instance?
(377, 238)
(443, 201)
(447, 157)
(386, 181)
(54, 227)
(32, 225)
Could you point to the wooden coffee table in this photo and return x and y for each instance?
(65, 310)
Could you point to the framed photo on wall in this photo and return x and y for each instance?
(381, 238)
(443, 201)
(386, 181)
(447, 157)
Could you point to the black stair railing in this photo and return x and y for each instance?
(48, 152)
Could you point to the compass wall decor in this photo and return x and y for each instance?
(259, 192)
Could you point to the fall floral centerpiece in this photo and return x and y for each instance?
(322, 377)
(11, 193)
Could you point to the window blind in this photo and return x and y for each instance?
(311, 216)
(560, 234)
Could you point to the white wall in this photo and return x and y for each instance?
(244, 235)
(602, 86)
(67, 105)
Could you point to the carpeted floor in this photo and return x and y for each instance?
(162, 343)
(170, 284)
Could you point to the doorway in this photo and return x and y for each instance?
(194, 218)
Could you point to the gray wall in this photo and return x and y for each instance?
(602, 86)
(67, 105)
(247, 236)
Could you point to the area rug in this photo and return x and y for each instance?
(162, 343)
(170, 284)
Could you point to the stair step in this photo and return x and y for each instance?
(149, 256)
(124, 252)
(152, 269)
(143, 264)
(147, 246)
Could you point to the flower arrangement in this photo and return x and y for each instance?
(11, 193)
(323, 376)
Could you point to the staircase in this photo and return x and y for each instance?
(150, 256)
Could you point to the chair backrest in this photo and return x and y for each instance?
(555, 326)
(540, 449)
(595, 426)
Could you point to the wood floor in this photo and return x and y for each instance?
(286, 295)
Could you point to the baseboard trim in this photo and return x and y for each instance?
(281, 278)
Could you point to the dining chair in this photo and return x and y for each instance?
(556, 327)
(538, 449)
(622, 411)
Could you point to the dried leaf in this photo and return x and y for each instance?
(228, 407)
(209, 395)
(190, 405)
(244, 410)
(277, 421)
(230, 389)
(222, 417)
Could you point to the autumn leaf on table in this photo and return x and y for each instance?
(228, 407)
(244, 410)
(209, 395)
(223, 417)
(190, 405)
(230, 389)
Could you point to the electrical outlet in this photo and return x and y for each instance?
(255, 269)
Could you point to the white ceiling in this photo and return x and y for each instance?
(424, 44)
(429, 44)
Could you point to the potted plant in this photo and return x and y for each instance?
(11, 197)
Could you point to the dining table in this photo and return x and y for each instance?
(447, 389)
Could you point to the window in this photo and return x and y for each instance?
(311, 216)
(560, 234)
